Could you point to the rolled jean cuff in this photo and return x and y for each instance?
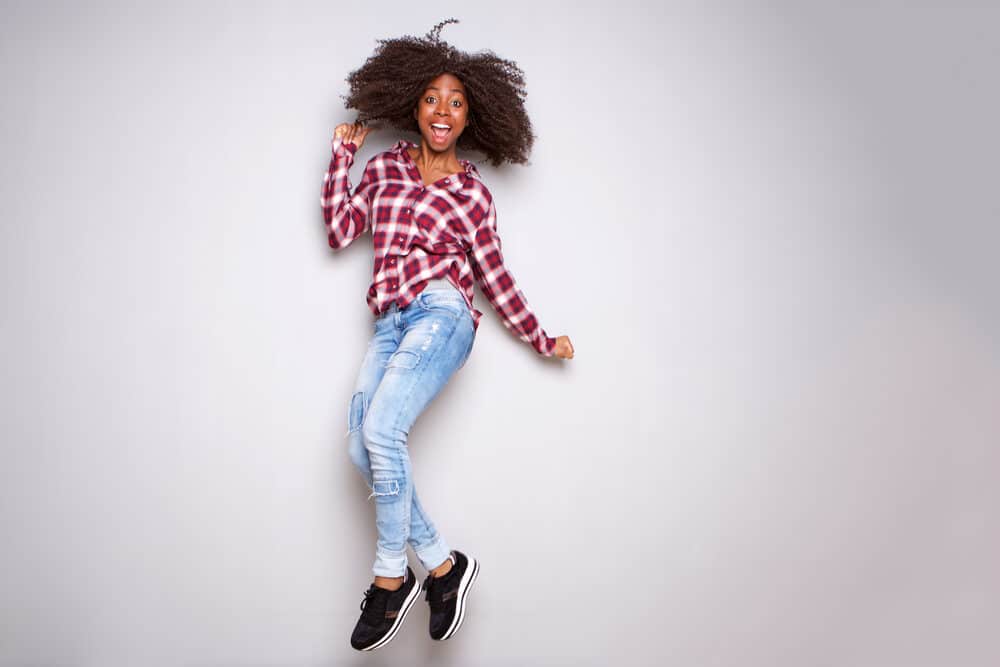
(388, 564)
(433, 554)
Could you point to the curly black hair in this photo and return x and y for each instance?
(389, 85)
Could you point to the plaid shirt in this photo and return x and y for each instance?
(444, 230)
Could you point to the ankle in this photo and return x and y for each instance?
(389, 583)
(442, 569)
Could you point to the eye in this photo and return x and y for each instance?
(430, 99)
(456, 103)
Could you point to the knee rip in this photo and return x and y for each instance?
(356, 412)
(389, 487)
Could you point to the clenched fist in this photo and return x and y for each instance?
(352, 134)
(564, 348)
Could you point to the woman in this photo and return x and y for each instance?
(433, 223)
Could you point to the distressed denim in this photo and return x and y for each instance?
(411, 356)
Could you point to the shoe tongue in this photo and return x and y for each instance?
(378, 597)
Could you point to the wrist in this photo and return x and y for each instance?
(339, 147)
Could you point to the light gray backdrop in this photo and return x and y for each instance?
(770, 232)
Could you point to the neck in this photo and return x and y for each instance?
(431, 159)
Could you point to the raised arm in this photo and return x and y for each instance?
(346, 214)
(501, 290)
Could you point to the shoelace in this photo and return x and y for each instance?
(374, 604)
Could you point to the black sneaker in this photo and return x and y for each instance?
(382, 613)
(447, 595)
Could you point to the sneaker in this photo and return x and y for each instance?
(447, 595)
(382, 613)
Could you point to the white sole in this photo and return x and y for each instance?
(403, 611)
(471, 572)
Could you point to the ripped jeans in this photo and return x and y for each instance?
(412, 355)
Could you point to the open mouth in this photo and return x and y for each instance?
(440, 131)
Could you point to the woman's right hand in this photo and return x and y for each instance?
(352, 133)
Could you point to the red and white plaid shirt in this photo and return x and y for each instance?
(444, 230)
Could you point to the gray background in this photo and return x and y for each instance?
(770, 232)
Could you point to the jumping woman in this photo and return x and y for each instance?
(434, 228)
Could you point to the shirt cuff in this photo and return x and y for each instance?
(546, 346)
(339, 146)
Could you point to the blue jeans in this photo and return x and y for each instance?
(411, 356)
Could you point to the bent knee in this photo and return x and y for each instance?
(355, 421)
(356, 450)
(372, 431)
(380, 428)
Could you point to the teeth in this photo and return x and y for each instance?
(446, 127)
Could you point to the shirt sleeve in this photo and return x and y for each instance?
(499, 287)
(346, 214)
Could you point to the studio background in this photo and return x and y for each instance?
(769, 229)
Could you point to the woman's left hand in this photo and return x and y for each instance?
(564, 348)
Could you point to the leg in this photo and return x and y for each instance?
(383, 344)
(437, 336)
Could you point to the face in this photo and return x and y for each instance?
(442, 112)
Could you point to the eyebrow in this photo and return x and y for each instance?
(454, 90)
